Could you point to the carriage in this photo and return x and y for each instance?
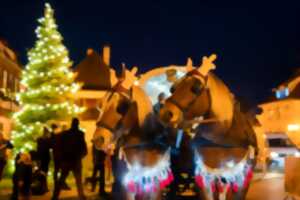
(200, 134)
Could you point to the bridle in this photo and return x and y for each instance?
(191, 74)
(114, 129)
(120, 91)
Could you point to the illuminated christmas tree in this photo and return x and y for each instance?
(49, 85)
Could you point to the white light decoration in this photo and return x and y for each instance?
(297, 154)
(157, 84)
(274, 155)
(230, 164)
(49, 85)
(293, 127)
(231, 176)
(141, 179)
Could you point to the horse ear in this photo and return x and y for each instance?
(207, 64)
(189, 64)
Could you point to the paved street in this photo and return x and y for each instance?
(267, 189)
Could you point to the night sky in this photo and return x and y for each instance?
(258, 43)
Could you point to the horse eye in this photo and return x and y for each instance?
(196, 89)
(172, 89)
(123, 107)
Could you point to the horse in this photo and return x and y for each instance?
(127, 119)
(224, 138)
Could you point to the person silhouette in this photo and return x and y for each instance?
(99, 156)
(4, 145)
(160, 102)
(22, 177)
(73, 150)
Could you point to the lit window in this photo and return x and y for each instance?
(283, 93)
(293, 127)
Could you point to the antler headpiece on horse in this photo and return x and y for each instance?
(206, 96)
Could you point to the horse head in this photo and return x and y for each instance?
(202, 94)
(124, 108)
(190, 95)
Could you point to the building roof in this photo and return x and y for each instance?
(293, 86)
(94, 73)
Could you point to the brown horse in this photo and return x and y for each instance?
(127, 119)
(200, 99)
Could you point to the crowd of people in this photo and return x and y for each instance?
(66, 148)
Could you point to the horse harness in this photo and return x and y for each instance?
(192, 73)
(122, 91)
(128, 95)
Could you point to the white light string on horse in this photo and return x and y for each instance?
(230, 177)
(141, 179)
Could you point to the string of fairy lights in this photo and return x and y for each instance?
(231, 177)
(142, 179)
(49, 86)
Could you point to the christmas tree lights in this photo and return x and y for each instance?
(49, 85)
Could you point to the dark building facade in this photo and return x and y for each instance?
(10, 72)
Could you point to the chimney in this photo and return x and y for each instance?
(89, 51)
(106, 54)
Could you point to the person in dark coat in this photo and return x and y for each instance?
(4, 145)
(22, 177)
(160, 102)
(99, 156)
(119, 168)
(43, 152)
(39, 182)
(73, 150)
(56, 153)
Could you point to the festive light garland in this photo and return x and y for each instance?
(141, 180)
(49, 85)
(231, 177)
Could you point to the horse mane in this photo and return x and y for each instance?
(143, 104)
(222, 101)
(233, 126)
